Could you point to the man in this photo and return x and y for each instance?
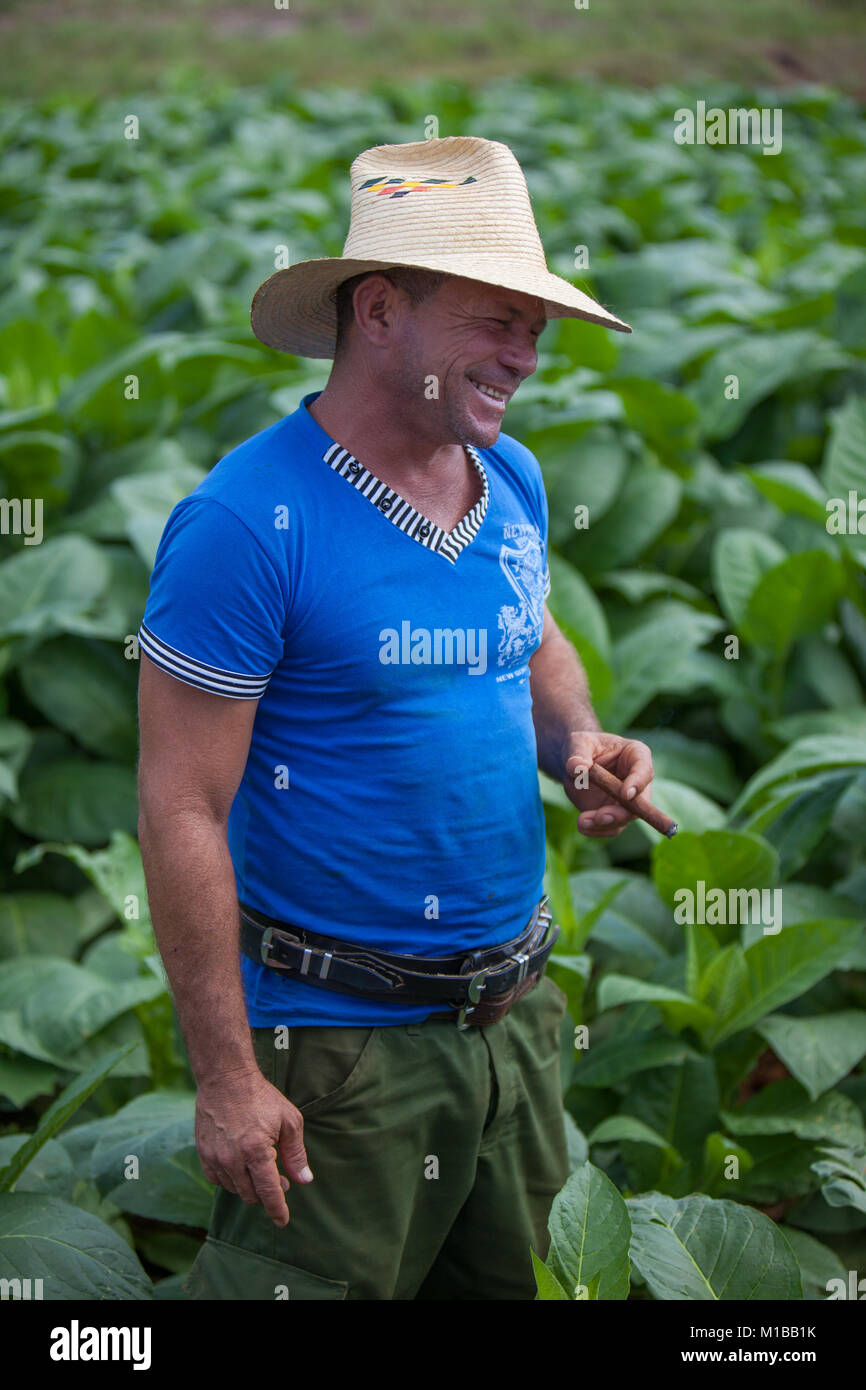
(350, 676)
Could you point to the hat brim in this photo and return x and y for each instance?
(294, 310)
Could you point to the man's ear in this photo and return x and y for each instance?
(376, 302)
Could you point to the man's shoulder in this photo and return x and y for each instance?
(514, 458)
(253, 465)
(256, 478)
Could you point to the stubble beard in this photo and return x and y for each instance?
(451, 405)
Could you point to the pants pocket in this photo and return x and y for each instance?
(315, 1068)
(223, 1271)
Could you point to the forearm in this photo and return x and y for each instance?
(193, 905)
(561, 701)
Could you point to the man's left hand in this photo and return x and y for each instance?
(626, 758)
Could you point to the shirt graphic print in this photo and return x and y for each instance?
(522, 561)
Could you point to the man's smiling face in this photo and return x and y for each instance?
(479, 341)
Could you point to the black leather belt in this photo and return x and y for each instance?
(348, 968)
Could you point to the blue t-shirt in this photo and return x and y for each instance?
(390, 796)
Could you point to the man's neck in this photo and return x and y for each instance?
(389, 442)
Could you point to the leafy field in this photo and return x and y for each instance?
(717, 1099)
(85, 48)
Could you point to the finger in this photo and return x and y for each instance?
(600, 832)
(244, 1186)
(269, 1190)
(290, 1146)
(638, 773)
(224, 1179)
(607, 815)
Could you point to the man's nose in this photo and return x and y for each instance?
(519, 353)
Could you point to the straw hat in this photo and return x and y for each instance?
(458, 205)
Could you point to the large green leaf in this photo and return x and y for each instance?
(792, 487)
(633, 922)
(580, 469)
(775, 970)
(573, 603)
(844, 466)
(42, 585)
(677, 1009)
(820, 1049)
(740, 559)
(677, 757)
(76, 1255)
(157, 1129)
(647, 659)
(618, 1127)
(146, 500)
(665, 417)
(848, 722)
(797, 814)
(615, 1060)
(549, 1287)
(806, 755)
(795, 597)
(73, 799)
(87, 690)
(74, 1095)
(690, 809)
(703, 1249)
(702, 872)
(24, 1078)
(818, 1263)
(843, 1174)
(116, 871)
(761, 364)
(49, 1008)
(649, 500)
(589, 1237)
(681, 1104)
(33, 922)
(784, 1108)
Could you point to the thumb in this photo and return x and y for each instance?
(290, 1146)
(583, 750)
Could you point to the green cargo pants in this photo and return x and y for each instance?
(436, 1154)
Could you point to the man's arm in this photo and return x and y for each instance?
(194, 748)
(560, 697)
(570, 738)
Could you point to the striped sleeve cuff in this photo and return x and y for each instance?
(232, 684)
(546, 581)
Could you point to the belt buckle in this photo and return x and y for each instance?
(522, 958)
(473, 993)
(265, 948)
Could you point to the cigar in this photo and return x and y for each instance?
(639, 805)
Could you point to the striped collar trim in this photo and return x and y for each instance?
(402, 514)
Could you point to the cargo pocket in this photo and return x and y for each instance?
(223, 1271)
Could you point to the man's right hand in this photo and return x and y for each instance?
(242, 1123)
